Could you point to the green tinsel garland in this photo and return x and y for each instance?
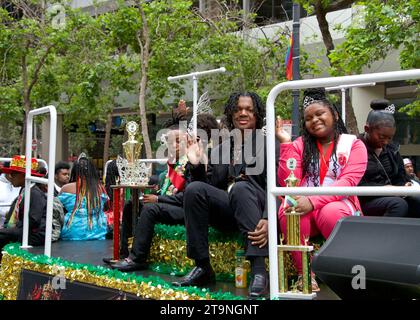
(177, 232)
(14, 250)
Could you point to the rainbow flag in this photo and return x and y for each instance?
(289, 60)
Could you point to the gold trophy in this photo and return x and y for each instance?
(132, 147)
(293, 244)
(132, 171)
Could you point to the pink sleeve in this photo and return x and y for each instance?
(287, 151)
(350, 175)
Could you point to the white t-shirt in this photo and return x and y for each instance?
(8, 193)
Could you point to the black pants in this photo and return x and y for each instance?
(9, 235)
(206, 205)
(413, 206)
(150, 214)
(385, 206)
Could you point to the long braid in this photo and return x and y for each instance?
(89, 187)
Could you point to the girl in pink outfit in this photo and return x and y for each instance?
(326, 156)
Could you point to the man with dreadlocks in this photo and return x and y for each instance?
(326, 156)
(83, 199)
(207, 200)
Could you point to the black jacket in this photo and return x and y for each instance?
(375, 174)
(223, 172)
(37, 213)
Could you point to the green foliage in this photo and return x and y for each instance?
(393, 25)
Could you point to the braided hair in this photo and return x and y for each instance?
(310, 163)
(89, 187)
(232, 104)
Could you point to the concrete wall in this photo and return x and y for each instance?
(361, 98)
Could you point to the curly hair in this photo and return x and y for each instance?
(310, 163)
(232, 104)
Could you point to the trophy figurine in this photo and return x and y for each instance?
(131, 170)
(132, 147)
(293, 244)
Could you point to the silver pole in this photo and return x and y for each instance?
(194, 77)
(271, 161)
(343, 105)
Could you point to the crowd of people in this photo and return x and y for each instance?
(221, 183)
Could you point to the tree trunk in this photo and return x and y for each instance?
(321, 16)
(26, 103)
(144, 61)
(107, 137)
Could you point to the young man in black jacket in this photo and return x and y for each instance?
(13, 225)
(229, 193)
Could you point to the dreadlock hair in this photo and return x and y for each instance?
(89, 187)
(379, 116)
(232, 104)
(310, 164)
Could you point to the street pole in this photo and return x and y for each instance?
(296, 70)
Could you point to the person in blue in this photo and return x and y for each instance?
(83, 199)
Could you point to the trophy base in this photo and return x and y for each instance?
(296, 295)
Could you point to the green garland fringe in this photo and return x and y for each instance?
(14, 250)
(177, 232)
(175, 270)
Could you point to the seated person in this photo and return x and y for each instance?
(8, 193)
(385, 166)
(409, 170)
(207, 200)
(164, 208)
(61, 176)
(326, 156)
(83, 199)
(13, 226)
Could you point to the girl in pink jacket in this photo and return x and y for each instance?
(326, 156)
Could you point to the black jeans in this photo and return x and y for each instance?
(150, 214)
(206, 205)
(385, 206)
(9, 235)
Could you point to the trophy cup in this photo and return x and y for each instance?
(293, 244)
(131, 170)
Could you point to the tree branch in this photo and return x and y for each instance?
(38, 67)
(338, 5)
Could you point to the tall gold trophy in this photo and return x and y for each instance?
(132, 171)
(293, 244)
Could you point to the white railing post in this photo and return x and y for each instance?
(194, 76)
(272, 190)
(29, 178)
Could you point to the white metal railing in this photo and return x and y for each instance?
(272, 190)
(29, 178)
(194, 76)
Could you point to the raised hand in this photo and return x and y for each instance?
(194, 151)
(282, 135)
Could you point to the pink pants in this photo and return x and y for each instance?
(315, 222)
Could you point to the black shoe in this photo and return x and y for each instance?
(127, 265)
(197, 277)
(259, 286)
(109, 260)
